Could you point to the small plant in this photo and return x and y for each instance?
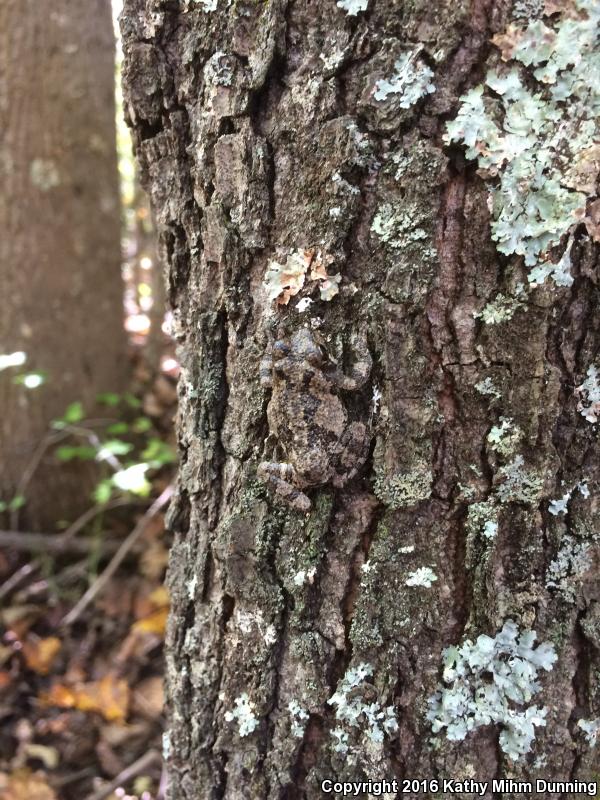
(130, 438)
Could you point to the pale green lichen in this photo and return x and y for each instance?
(397, 226)
(487, 387)
(404, 489)
(353, 7)
(543, 148)
(423, 576)
(299, 718)
(591, 729)
(571, 562)
(410, 82)
(502, 308)
(243, 714)
(589, 395)
(518, 484)
(486, 681)
(351, 711)
(505, 437)
(482, 518)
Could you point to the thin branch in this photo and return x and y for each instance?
(12, 583)
(53, 543)
(103, 579)
(94, 511)
(132, 771)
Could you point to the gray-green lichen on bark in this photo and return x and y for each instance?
(269, 130)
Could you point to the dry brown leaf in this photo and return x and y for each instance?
(155, 623)
(108, 696)
(5, 679)
(23, 784)
(40, 654)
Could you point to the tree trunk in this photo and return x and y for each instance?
(281, 142)
(60, 243)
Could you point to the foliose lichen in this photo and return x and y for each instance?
(352, 711)
(486, 683)
(353, 7)
(404, 489)
(423, 576)
(591, 728)
(589, 395)
(243, 714)
(299, 718)
(410, 82)
(539, 139)
(571, 562)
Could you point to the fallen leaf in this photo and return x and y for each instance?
(40, 654)
(108, 696)
(155, 623)
(26, 785)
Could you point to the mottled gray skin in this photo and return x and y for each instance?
(309, 420)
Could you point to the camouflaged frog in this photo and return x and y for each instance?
(308, 418)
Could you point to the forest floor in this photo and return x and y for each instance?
(83, 614)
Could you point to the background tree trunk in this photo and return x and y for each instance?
(259, 135)
(60, 244)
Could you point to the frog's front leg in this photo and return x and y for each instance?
(361, 369)
(351, 453)
(279, 477)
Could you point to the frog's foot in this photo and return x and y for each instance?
(279, 476)
(351, 453)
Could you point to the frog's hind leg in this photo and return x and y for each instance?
(279, 478)
(351, 453)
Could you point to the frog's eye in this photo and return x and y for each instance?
(280, 349)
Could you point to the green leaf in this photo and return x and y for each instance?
(158, 453)
(68, 453)
(142, 424)
(118, 428)
(74, 413)
(16, 503)
(3, 506)
(114, 447)
(131, 400)
(109, 399)
(103, 491)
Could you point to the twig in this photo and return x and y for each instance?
(16, 578)
(102, 580)
(94, 511)
(52, 542)
(30, 469)
(132, 771)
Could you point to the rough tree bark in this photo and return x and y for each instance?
(265, 130)
(60, 245)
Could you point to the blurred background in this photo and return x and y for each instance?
(87, 399)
